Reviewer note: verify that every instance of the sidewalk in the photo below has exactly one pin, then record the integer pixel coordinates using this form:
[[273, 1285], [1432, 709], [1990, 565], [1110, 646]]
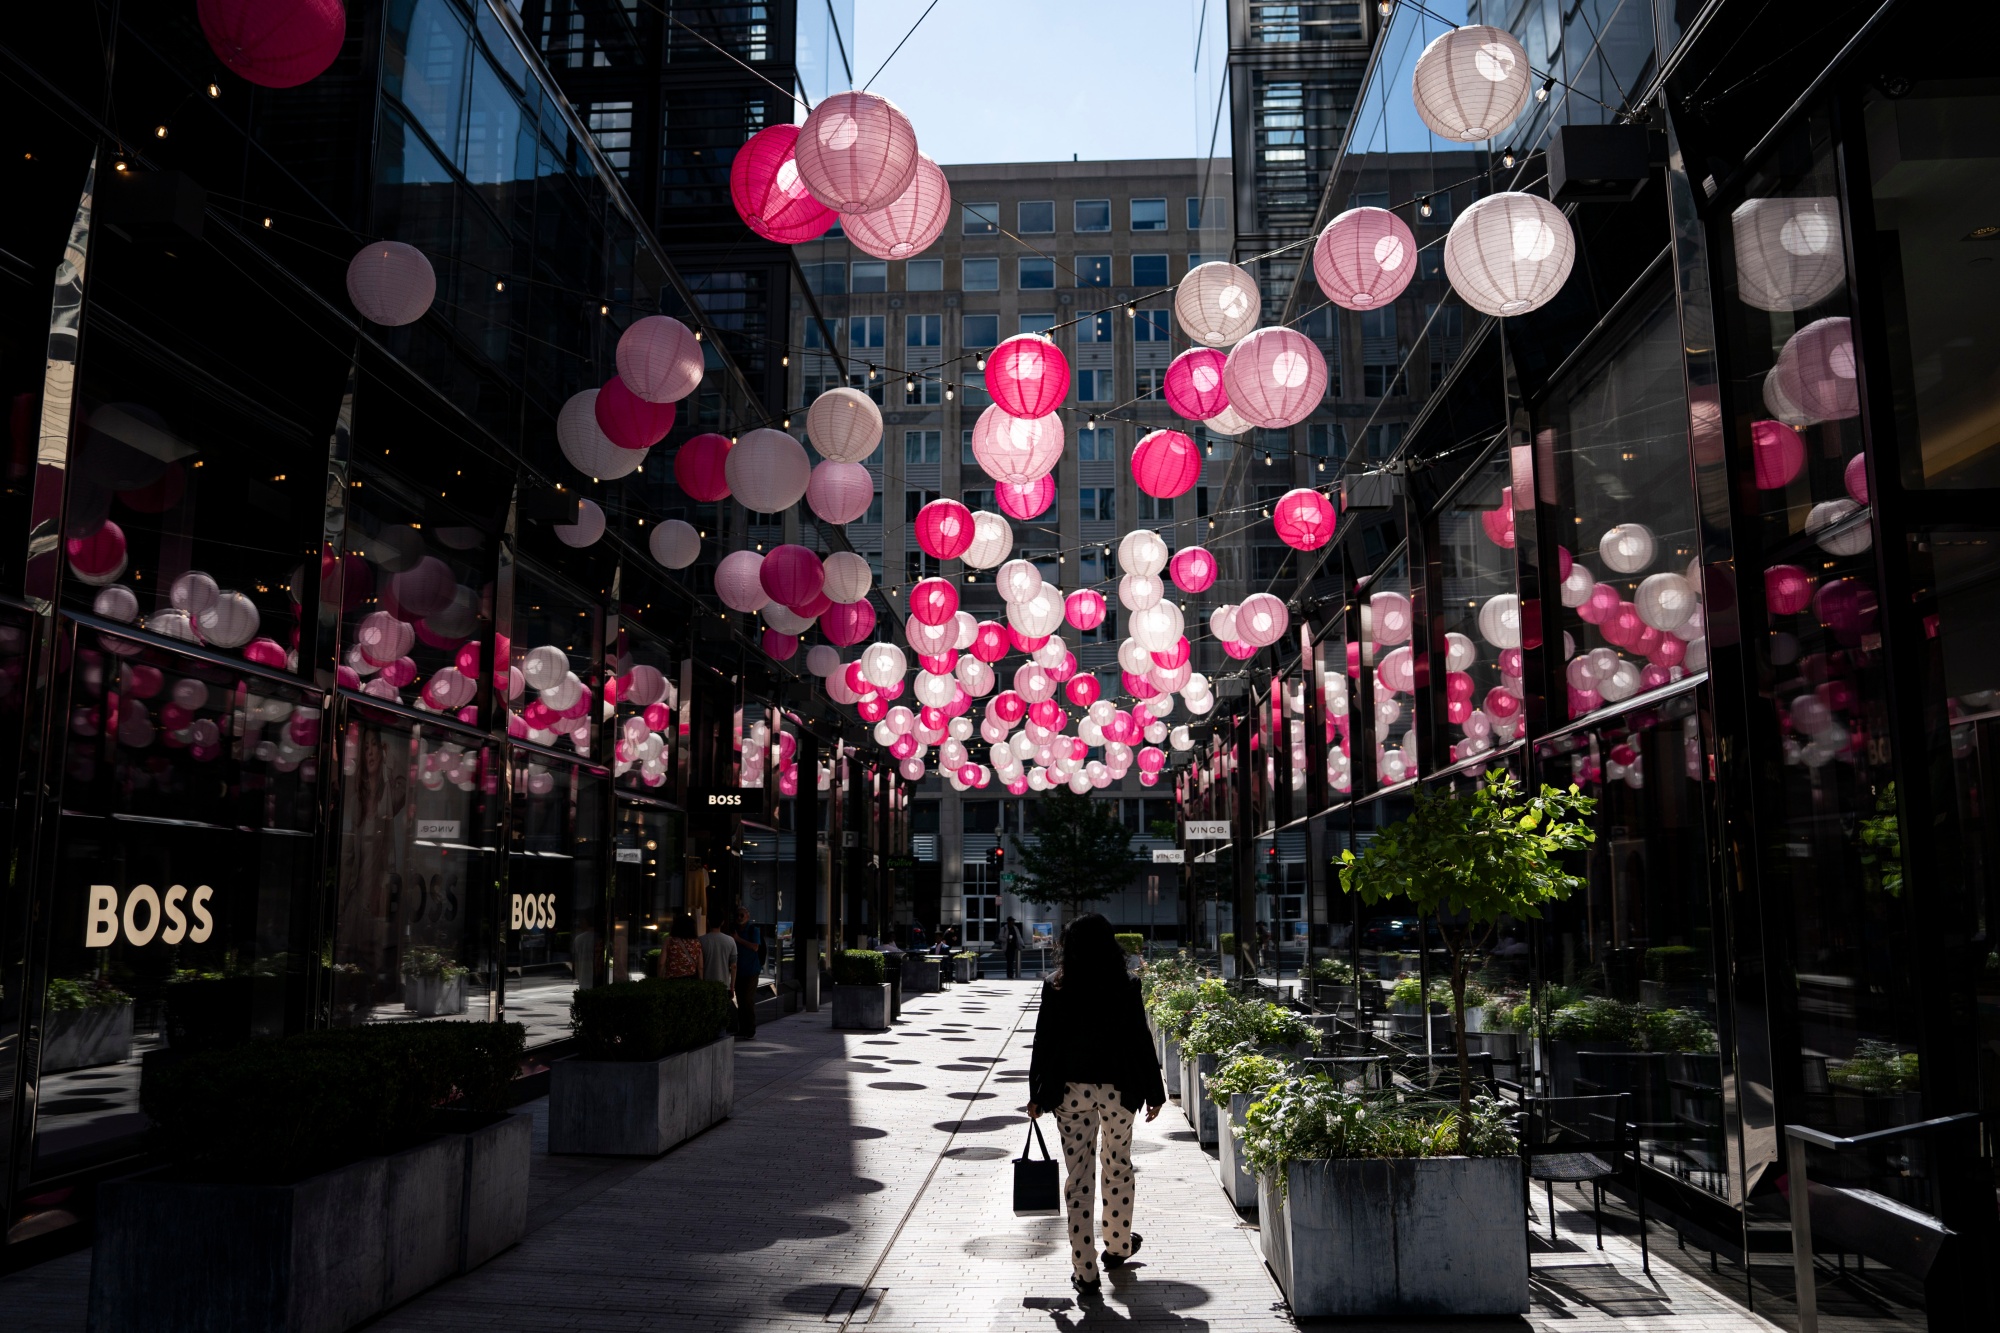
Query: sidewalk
[[864, 1181]]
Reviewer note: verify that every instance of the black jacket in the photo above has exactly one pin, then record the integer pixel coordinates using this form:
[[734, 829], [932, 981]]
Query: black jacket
[[1095, 1038]]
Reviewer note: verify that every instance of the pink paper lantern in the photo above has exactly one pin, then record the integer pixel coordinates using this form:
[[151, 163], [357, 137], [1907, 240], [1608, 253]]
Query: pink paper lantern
[[1027, 375], [1502, 704], [1166, 464], [1192, 569], [989, 641], [933, 601], [1788, 589], [1082, 690], [1023, 501], [274, 43], [99, 557], [1777, 452], [1175, 657], [1194, 385], [1365, 258], [1855, 478], [814, 608], [629, 421], [857, 152], [660, 359], [944, 529], [1137, 686], [1009, 707], [839, 492], [871, 709], [770, 197], [780, 647], [1304, 518], [1025, 643], [908, 226], [1275, 377], [791, 575], [938, 664], [1016, 449], [1084, 608], [1499, 525], [847, 623], [1816, 372], [699, 468], [1241, 652], [426, 588], [1261, 620], [1047, 713]]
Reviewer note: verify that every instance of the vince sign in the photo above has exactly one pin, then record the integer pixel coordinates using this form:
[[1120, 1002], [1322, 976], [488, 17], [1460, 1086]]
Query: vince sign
[[148, 915]]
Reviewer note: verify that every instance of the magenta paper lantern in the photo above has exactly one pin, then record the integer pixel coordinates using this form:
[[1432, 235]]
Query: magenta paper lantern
[[1022, 501], [839, 492], [1192, 569], [791, 575], [1027, 375], [847, 623], [100, 557], [739, 581], [1855, 478], [1304, 519], [629, 421], [770, 197], [1166, 464], [1084, 608], [1275, 377], [780, 647], [1082, 690], [660, 359], [1064, 669], [1046, 713], [908, 226], [1137, 686], [857, 152], [933, 601], [989, 641], [944, 529], [1175, 657], [1815, 371], [813, 609], [1009, 707], [1777, 452], [1499, 523], [1194, 386], [1365, 258], [274, 43], [1025, 643], [1016, 449], [1788, 588], [701, 468]]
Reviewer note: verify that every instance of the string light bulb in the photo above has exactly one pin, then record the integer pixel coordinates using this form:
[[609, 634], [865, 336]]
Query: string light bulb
[[1507, 158], [949, 393], [982, 363], [159, 131], [215, 90], [1542, 93]]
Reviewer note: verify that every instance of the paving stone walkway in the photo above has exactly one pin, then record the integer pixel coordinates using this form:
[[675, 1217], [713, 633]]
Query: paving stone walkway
[[864, 1182]]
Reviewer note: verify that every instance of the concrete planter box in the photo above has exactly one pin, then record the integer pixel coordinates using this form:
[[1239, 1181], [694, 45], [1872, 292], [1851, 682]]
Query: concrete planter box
[[863, 1008], [1200, 1111], [640, 1108], [920, 976], [1402, 1237], [82, 1038], [318, 1256], [1237, 1181], [1170, 1064], [431, 997], [964, 969]]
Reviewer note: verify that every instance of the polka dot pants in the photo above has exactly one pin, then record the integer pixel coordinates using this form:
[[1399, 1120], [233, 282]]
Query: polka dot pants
[[1087, 1109]]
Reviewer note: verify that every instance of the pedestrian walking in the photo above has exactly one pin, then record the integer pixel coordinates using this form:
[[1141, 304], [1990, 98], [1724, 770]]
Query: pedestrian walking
[[1094, 1067], [680, 952], [1010, 943]]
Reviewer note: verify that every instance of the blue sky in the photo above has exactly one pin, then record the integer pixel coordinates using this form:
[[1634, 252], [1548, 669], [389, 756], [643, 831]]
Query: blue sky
[[1039, 80]]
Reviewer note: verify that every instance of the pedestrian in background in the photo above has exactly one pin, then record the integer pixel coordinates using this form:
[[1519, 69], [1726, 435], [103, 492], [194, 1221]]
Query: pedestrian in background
[[1010, 945], [680, 952], [749, 972], [1094, 1066]]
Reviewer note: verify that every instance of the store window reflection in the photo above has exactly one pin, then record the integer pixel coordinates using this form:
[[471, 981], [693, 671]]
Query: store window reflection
[[554, 654], [649, 896], [1479, 613], [1331, 678], [555, 891], [1388, 626]]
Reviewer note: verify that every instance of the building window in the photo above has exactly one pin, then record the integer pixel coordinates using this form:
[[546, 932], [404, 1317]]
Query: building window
[[1151, 326], [1093, 270], [1270, 563], [868, 383], [1379, 324], [1035, 217], [979, 219], [1093, 215], [826, 279], [1035, 321], [870, 275], [922, 390], [1093, 386], [918, 564], [923, 330], [1095, 444], [974, 390], [1154, 510], [866, 331], [1149, 215], [1327, 440], [923, 275], [1149, 381], [1212, 212], [1149, 270], [982, 330], [814, 340], [1097, 504], [978, 499], [1037, 275], [922, 446], [611, 125], [982, 275], [1094, 328], [1384, 438], [1382, 379]]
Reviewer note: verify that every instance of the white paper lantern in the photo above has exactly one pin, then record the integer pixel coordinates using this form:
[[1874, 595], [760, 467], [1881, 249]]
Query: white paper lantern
[[1217, 303], [845, 425], [391, 283], [1622, 682], [1136, 592], [975, 675], [545, 667], [1222, 622], [1052, 653], [1500, 620], [1825, 516], [1181, 738], [1509, 253], [1665, 601], [1788, 252], [230, 621], [586, 446], [1460, 652], [1389, 618], [660, 359], [1576, 589], [1037, 615], [589, 526], [823, 660], [767, 470], [785, 620], [1228, 422], [1199, 707], [883, 664], [1471, 83], [1261, 620], [675, 544], [738, 582], [1142, 551], [117, 602], [1627, 548], [1017, 450], [934, 690], [992, 539], [848, 577], [1017, 581], [1158, 628], [1134, 656], [906, 227]]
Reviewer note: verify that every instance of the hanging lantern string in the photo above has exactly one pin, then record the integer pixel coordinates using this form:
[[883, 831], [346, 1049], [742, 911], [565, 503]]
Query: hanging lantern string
[[899, 46], [800, 98], [1548, 79]]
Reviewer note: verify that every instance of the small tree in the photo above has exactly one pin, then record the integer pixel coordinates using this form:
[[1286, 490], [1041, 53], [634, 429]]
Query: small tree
[[1082, 853], [1466, 859]]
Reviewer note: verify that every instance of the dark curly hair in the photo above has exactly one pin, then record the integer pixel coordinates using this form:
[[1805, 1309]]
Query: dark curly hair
[[1092, 958]]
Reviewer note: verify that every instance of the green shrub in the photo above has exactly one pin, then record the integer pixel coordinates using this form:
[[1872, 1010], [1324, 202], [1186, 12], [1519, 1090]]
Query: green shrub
[[1312, 1119], [1334, 971], [1595, 1018], [1876, 1066], [432, 964], [1175, 1010], [67, 996], [1218, 1026], [1226, 945], [1245, 1071], [967, 953], [860, 967], [1675, 1030], [1134, 944], [1672, 963], [278, 1110], [1179, 970], [646, 1020]]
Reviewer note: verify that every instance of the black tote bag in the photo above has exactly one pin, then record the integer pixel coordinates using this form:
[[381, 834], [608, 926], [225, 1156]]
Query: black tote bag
[[1037, 1184]]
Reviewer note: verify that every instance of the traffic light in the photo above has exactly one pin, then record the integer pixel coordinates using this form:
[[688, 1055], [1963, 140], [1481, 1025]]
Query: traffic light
[[996, 856]]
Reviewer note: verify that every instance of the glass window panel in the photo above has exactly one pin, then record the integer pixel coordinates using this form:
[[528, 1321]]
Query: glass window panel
[[425, 69], [923, 275], [1388, 625], [1149, 215], [982, 330], [1037, 274], [1093, 215], [981, 275], [555, 647], [871, 275], [979, 219], [555, 877], [1093, 270], [1037, 217], [649, 892], [1478, 610], [1149, 270]]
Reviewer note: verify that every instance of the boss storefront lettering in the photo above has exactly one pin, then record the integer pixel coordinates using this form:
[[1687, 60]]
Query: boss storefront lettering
[[533, 911], [148, 915], [725, 798]]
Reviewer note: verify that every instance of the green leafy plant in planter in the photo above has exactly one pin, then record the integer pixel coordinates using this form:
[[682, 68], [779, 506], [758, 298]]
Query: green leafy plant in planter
[[1334, 971], [1133, 944], [860, 967], [67, 995], [1599, 1018], [1225, 944], [1175, 1011], [648, 1020], [1312, 1118], [1407, 990], [1216, 1028], [1670, 963], [432, 964], [1179, 970], [1246, 1071], [1467, 859], [1876, 1066]]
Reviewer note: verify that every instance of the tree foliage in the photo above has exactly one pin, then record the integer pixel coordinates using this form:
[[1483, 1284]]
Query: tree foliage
[[1469, 859], [1082, 853]]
